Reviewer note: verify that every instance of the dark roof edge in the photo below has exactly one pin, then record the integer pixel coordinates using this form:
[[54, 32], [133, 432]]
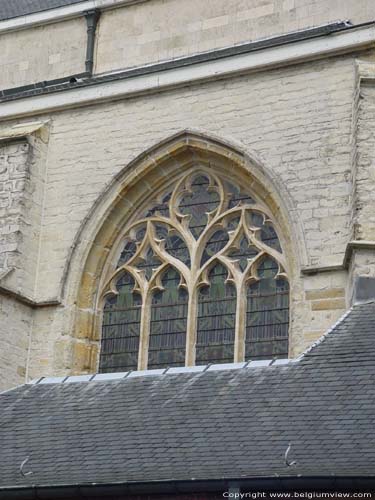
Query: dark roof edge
[[83, 80], [39, 10], [274, 483], [321, 339]]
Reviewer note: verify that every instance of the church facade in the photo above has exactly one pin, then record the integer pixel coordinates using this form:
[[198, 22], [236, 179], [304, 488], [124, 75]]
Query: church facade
[[289, 115], [182, 185]]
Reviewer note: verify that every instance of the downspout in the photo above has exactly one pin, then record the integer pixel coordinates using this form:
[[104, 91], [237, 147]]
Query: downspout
[[92, 18]]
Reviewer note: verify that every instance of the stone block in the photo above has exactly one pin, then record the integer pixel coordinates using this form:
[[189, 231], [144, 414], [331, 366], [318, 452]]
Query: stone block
[[328, 304]]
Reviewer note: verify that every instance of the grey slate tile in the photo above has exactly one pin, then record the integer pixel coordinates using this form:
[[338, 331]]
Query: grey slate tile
[[15, 8], [203, 425]]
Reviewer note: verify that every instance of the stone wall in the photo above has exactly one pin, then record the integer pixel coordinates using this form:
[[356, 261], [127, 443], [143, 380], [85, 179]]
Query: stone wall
[[303, 139], [16, 322], [365, 178], [22, 182], [13, 177], [42, 53], [298, 121], [159, 30]]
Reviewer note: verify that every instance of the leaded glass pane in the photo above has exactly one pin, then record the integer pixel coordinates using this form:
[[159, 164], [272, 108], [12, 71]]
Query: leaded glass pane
[[128, 251], [269, 237], [168, 323], [201, 200], [238, 197], [174, 244], [120, 333], [242, 253], [255, 219], [148, 263], [216, 319], [202, 220], [216, 243], [161, 209], [267, 314]]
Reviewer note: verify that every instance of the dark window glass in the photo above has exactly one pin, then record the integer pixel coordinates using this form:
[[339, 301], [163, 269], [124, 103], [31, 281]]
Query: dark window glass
[[120, 333], [238, 198], [201, 200], [168, 323], [216, 319], [269, 237], [267, 314], [216, 243], [242, 253], [173, 243], [159, 208], [206, 223], [148, 263]]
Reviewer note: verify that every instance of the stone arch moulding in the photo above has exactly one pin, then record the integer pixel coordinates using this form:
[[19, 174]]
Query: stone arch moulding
[[93, 253]]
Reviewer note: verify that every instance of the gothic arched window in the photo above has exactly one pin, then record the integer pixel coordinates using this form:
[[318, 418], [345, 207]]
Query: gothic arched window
[[201, 279]]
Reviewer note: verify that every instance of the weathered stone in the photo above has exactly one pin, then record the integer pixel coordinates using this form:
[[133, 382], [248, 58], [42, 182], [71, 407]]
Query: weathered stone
[[328, 304]]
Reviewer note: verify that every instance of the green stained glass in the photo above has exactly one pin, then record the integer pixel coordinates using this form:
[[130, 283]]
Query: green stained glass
[[174, 244], [232, 222], [243, 253], [196, 204], [216, 319], [148, 263], [127, 253], [197, 197], [161, 209], [216, 243], [255, 219], [120, 331], [267, 314], [269, 237], [237, 197], [168, 323]]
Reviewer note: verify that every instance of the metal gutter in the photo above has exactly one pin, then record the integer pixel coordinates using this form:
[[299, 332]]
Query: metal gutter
[[173, 487], [85, 79], [92, 18]]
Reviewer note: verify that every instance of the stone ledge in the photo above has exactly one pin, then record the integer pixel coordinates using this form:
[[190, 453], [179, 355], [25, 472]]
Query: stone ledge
[[28, 301]]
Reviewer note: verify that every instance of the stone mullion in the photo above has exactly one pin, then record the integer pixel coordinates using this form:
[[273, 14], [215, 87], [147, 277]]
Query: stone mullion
[[240, 329], [144, 334], [191, 330], [192, 316]]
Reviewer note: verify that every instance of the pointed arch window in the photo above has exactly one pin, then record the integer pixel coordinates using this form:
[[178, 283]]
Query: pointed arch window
[[201, 279]]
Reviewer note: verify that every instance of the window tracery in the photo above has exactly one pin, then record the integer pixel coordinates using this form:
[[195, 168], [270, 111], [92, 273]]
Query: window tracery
[[200, 279]]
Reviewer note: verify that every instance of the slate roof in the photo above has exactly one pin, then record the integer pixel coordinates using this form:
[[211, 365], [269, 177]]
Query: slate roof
[[230, 423], [15, 8]]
